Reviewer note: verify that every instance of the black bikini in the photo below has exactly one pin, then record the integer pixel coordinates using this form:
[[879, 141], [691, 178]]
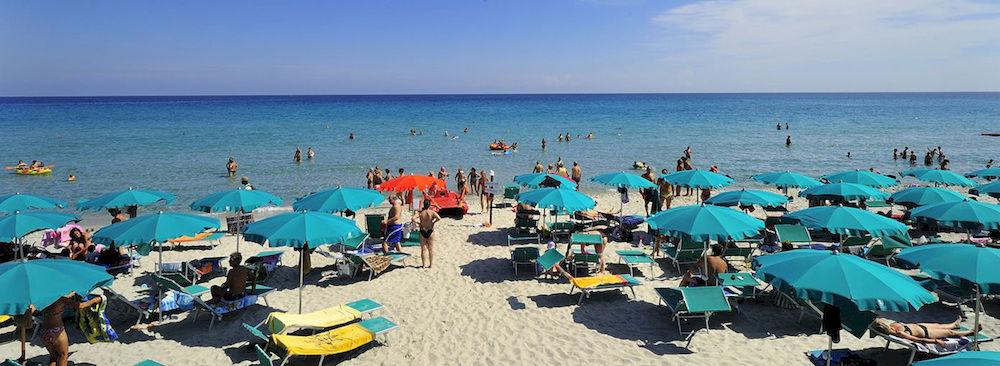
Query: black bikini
[[426, 233]]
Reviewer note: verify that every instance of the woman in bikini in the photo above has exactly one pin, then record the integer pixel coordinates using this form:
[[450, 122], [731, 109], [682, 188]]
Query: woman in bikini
[[426, 219], [53, 331], [79, 244], [922, 332]]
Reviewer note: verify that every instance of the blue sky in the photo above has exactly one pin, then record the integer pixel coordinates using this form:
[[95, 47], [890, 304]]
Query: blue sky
[[84, 47]]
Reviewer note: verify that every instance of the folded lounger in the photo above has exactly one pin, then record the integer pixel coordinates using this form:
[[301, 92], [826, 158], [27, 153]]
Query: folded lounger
[[635, 258], [952, 345], [335, 341], [692, 303]]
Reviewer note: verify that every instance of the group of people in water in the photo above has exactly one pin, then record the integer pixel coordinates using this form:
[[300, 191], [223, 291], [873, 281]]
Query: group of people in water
[[565, 138], [929, 157]]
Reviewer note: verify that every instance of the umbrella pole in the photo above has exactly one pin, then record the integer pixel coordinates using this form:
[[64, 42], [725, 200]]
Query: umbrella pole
[[302, 274], [975, 324], [829, 352], [159, 268]]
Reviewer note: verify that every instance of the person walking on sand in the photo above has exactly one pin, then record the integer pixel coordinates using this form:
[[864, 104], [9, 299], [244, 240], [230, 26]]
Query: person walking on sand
[[666, 190], [576, 174], [310, 153], [425, 220], [298, 155], [473, 181], [231, 167], [459, 180]]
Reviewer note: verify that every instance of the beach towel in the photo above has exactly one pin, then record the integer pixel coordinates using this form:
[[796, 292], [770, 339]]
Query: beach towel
[[95, 325], [335, 341], [277, 322], [594, 281], [379, 262]]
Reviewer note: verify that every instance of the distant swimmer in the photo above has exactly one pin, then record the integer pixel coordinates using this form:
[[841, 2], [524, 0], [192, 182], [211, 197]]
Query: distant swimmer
[[513, 147], [895, 154], [786, 126], [560, 139], [446, 134], [778, 126], [71, 178], [466, 130], [788, 141], [298, 155], [351, 136], [913, 158], [638, 165], [849, 155], [231, 167], [310, 153], [590, 136], [567, 136], [544, 144], [413, 131], [538, 167]]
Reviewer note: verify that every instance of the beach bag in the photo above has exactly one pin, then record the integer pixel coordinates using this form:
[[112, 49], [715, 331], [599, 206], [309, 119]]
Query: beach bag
[[94, 325]]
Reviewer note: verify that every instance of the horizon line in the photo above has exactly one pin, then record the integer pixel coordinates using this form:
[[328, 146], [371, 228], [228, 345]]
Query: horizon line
[[488, 94]]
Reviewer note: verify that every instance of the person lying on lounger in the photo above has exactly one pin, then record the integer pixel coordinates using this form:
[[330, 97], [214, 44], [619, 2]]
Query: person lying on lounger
[[922, 332]]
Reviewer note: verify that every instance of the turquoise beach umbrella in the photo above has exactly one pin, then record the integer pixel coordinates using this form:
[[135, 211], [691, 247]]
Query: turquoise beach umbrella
[[22, 202], [703, 223], [938, 176], [338, 200], [968, 358], [841, 280], [303, 230], [991, 189], [958, 264], [19, 224], [985, 173], [560, 199], [143, 230], [126, 198], [700, 179], [848, 221], [542, 180], [40, 282], [235, 200], [747, 197], [844, 191], [920, 196], [969, 214], [862, 177], [786, 179], [623, 180]]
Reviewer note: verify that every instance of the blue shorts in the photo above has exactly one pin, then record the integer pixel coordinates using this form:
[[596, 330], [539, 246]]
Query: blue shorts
[[394, 234]]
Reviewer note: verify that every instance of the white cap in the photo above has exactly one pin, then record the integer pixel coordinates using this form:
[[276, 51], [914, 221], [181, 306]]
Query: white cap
[[491, 172]]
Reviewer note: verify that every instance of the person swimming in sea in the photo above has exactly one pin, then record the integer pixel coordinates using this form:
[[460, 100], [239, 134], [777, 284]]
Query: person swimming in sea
[[560, 139], [543, 144], [590, 136], [567, 136], [298, 155], [895, 154], [466, 130], [351, 136], [849, 155], [779, 126], [786, 126], [310, 153], [788, 141], [71, 178]]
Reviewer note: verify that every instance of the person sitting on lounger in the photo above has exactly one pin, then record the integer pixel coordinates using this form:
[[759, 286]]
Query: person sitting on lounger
[[236, 280], [922, 332], [716, 265]]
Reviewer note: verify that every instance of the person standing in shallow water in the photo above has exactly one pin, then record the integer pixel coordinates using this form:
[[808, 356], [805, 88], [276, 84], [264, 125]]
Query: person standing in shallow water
[[298, 155], [310, 153], [788, 141], [231, 167]]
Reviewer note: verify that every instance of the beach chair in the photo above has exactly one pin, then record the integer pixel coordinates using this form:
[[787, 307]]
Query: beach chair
[[373, 226], [264, 263], [739, 285], [282, 322], [548, 261], [510, 192], [741, 251], [513, 239], [143, 307], [263, 357], [525, 226], [335, 341], [634, 258], [217, 309], [412, 240], [684, 252], [586, 260], [693, 303], [855, 244], [951, 346], [886, 247], [560, 229], [361, 262], [524, 256], [794, 234]]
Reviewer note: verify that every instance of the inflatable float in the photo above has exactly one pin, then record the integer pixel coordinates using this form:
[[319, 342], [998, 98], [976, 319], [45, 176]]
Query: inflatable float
[[40, 171], [499, 146], [447, 203]]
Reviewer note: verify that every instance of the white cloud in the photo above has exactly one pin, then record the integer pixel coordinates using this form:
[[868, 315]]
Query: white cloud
[[852, 45]]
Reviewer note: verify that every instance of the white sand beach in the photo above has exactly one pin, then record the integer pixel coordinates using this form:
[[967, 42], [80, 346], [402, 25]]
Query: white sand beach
[[470, 309]]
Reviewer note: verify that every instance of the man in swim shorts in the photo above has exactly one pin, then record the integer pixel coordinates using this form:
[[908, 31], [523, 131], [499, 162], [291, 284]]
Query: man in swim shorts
[[426, 219], [393, 228]]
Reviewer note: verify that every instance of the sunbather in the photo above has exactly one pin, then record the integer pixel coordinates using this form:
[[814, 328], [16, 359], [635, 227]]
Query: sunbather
[[922, 332], [236, 280], [716, 265]]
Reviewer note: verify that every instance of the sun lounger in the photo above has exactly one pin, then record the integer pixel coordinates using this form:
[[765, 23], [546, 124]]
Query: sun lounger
[[264, 263], [335, 341], [634, 258], [144, 309], [373, 226], [588, 260], [951, 346], [795, 234], [212, 238], [804, 306], [558, 229], [549, 260], [513, 239], [591, 284], [282, 322], [524, 256], [693, 303], [217, 308], [741, 285], [524, 226], [683, 253], [412, 240], [361, 262], [510, 192]]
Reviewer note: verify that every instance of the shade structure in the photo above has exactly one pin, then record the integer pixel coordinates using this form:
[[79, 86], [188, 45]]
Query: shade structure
[[942, 177], [990, 189], [303, 230], [623, 180], [968, 358], [958, 264], [786, 179], [705, 223], [22, 202], [126, 198], [154, 228], [920, 196], [862, 177], [844, 191], [339, 199], [848, 221], [544, 180], [40, 282], [967, 214], [984, 173], [19, 224], [410, 182], [700, 179], [560, 199], [842, 280], [235, 200], [747, 197]]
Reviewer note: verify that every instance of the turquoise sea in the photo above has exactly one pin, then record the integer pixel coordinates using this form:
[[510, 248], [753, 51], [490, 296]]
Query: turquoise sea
[[181, 144]]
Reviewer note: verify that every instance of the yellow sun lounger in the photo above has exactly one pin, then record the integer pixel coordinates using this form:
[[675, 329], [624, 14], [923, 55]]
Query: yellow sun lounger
[[588, 285], [336, 341], [280, 323]]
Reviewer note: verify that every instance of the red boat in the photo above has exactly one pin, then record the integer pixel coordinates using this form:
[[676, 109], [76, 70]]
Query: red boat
[[447, 203]]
